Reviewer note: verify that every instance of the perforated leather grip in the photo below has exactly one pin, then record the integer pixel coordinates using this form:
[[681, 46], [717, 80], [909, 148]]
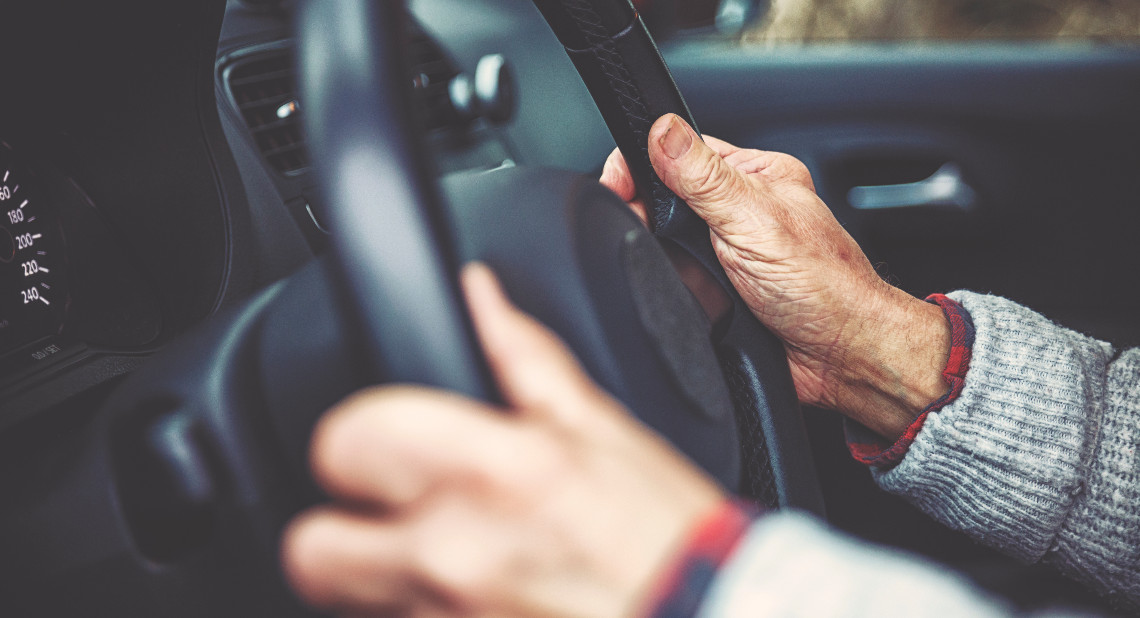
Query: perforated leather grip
[[631, 85]]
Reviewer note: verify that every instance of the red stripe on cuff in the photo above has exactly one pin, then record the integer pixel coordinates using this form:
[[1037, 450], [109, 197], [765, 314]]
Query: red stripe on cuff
[[868, 448], [681, 589]]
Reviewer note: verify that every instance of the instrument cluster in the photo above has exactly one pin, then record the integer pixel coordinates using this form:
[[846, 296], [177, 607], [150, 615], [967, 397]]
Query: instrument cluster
[[33, 265], [67, 287]]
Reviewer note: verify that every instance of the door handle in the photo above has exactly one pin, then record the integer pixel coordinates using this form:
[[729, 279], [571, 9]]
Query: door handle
[[945, 189]]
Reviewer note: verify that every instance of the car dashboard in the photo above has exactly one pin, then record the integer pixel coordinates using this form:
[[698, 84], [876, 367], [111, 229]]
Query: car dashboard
[[154, 168]]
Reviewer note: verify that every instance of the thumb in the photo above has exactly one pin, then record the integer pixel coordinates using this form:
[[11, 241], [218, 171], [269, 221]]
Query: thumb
[[535, 371], [713, 188]]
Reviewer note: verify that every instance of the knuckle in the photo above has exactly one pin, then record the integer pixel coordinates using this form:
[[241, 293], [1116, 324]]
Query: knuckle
[[708, 180], [609, 172], [454, 572], [345, 435], [790, 162], [499, 475], [797, 170], [302, 550], [546, 462], [331, 450], [719, 193], [614, 161]]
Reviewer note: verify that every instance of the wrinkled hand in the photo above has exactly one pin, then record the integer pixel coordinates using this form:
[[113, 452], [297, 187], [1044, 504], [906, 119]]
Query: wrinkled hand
[[854, 343], [560, 505]]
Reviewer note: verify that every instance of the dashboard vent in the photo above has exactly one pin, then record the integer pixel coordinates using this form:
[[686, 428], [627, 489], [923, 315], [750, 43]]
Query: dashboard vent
[[431, 75], [262, 87]]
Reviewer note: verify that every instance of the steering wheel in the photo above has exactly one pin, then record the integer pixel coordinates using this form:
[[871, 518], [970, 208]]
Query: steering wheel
[[189, 470], [566, 252]]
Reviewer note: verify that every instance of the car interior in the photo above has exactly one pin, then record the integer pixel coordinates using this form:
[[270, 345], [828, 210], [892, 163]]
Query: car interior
[[222, 217]]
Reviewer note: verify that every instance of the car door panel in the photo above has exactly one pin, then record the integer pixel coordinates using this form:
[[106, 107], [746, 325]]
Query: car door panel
[[1046, 138]]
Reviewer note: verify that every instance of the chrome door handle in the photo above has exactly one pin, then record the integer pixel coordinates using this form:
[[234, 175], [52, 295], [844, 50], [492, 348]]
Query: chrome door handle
[[945, 188]]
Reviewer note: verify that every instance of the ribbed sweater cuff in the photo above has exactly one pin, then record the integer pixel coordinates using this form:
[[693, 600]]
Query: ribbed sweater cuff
[[1099, 542], [1005, 461]]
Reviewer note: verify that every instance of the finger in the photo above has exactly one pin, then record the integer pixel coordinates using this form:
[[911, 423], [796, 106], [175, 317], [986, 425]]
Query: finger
[[720, 146], [772, 166], [717, 191], [395, 446], [617, 178], [535, 371], [338, 560], [751, 161], [640, 210]]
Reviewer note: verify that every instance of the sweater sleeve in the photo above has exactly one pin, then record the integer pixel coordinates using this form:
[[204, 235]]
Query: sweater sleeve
[[790, 565], [1038, 456]]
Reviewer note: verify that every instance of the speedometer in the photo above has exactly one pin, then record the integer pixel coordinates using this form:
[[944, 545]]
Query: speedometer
[[33, 291]]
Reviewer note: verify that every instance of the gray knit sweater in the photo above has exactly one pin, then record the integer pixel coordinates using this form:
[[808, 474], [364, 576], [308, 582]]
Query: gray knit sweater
[[1038, 457]]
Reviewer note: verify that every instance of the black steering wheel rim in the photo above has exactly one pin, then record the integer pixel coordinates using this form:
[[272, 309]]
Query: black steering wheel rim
[[384, 206], [393, 240]]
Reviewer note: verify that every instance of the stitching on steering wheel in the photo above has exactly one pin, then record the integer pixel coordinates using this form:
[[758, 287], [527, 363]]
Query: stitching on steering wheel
[[628, 94]]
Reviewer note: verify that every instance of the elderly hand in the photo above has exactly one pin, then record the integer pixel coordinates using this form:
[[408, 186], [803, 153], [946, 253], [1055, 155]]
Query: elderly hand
[[559, 505], [854, 343]]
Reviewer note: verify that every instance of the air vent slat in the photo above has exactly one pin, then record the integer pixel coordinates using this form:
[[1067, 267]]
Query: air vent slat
[[271, 126], [238, 82], [271, 102], [284, 150], [261, 85]]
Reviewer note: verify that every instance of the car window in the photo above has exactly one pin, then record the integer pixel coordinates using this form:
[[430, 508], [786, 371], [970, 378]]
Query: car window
[[947, 20]]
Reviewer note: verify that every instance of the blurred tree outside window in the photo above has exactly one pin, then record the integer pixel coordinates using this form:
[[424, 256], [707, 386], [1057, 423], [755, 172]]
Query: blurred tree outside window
[[949, 20]]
